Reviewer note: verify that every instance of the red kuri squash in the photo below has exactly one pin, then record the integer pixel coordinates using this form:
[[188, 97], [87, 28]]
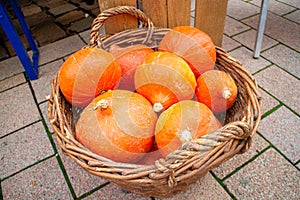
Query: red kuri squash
[[164, 79], [118, 125], [129, 59], [193, 45], [182, 122], [86, 73]]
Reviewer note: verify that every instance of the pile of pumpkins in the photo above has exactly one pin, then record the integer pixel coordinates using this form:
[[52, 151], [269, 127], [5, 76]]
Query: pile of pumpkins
[[141, 104]]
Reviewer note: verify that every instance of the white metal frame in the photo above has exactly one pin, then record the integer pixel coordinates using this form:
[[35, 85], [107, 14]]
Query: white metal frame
[[261, 27]]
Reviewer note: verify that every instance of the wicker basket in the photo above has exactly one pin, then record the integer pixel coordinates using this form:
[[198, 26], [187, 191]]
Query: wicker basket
[[185, 165]]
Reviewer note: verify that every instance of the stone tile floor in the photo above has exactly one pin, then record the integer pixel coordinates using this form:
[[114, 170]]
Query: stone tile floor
[[32, 166]]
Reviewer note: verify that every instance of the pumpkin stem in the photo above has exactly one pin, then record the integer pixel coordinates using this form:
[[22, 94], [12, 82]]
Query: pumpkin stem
[[226, 94], [157, 107], [186, 135], [103, 104]]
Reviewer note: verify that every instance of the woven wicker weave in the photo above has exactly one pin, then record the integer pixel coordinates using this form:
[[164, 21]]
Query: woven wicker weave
[[185, 165]]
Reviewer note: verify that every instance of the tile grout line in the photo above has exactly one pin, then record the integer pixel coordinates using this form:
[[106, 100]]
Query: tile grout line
[[1, 195], [93, 190], [49, 135], [255, 29], [65, 174], [294, 112], [286, 4], [23, 127], [269, 112], [245, 164], [295, 9], [277, 150], [241, 32], [262, 69], [12, 87], [223, 185], [27, 167], [284, 15]]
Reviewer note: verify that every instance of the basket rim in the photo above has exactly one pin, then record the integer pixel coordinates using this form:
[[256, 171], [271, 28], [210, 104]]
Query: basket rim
[[193, 159]]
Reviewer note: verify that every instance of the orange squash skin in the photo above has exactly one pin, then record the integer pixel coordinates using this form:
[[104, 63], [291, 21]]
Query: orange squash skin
[[122, 131], [129, 59], [182, 122], [217, 90], [86, 73], [193, 45], [164, 78]]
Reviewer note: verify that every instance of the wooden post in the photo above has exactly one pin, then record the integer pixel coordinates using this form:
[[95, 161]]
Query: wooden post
[[210, 18], [167, 13], [156, 10], [179, 14], [209, 15], [121, 22]]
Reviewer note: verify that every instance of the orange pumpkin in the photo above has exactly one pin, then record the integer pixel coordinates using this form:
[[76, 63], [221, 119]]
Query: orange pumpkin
[[164, 79], [193, 45], [129, 59], [182, 122], [86, 73], [150, 157], [217, 90], [118, 125]]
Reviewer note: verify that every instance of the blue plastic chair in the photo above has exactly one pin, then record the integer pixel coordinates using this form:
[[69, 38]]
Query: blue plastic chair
[[30, 65]]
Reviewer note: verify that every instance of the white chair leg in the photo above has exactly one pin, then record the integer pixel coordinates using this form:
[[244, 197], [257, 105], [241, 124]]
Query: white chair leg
[[261, 27]]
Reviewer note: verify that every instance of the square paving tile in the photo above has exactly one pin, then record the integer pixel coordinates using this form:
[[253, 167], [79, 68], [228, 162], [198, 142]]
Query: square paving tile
[[81, 25], [85, 35], [234, 9], [233, 26], [84, 5], [285, 58], [111, 191], [294, 3], [268, 102], [30, 10], [275, 6], [269, 176], [47, 32], [23, 148], [62, 9], [12, 82], [282, 85], [229, 44], [282, 129], [205, 188], [82, 181], [50, 3], [42, 86], [44, 110], [277, 27], [60, 49], [11, 49], [42, 181], [69, 17], [18, 109], [258, 144], [38, 18], [294, 16], [10, 67], [248, 39], [3, 52], [245, 56]]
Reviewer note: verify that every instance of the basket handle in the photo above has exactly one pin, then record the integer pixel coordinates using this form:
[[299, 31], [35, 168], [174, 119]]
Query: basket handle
[[96, 38]]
